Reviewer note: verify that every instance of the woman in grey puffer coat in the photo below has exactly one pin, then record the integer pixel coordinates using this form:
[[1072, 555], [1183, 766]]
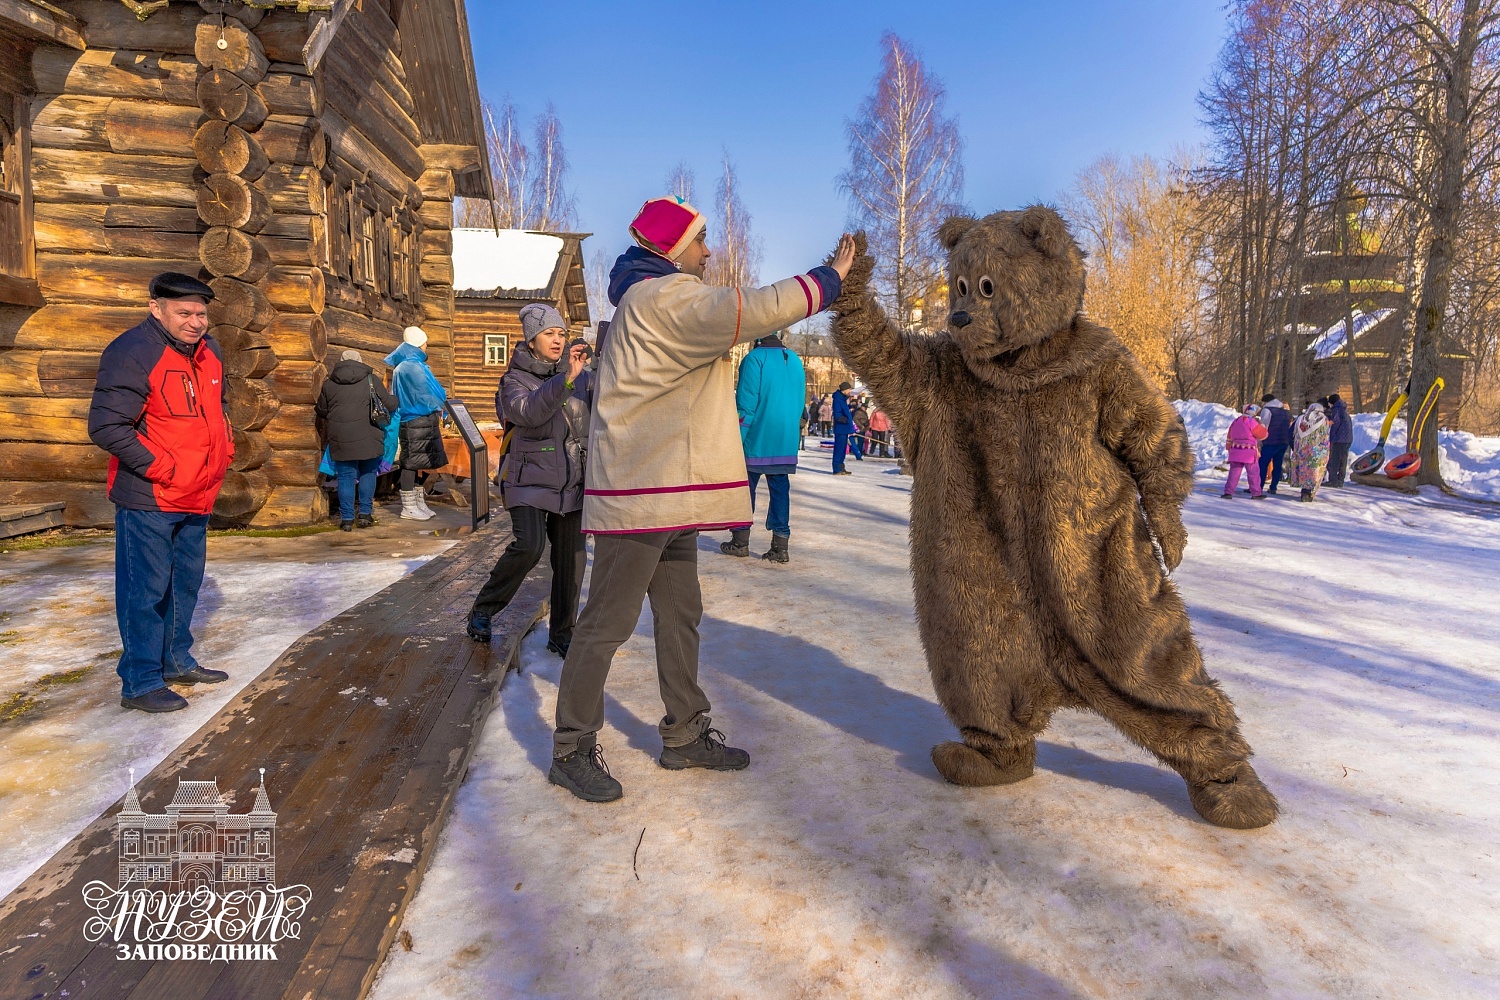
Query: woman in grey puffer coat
[[544, 397]]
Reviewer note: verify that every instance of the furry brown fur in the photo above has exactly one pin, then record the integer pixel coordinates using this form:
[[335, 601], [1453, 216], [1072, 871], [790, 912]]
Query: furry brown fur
[[1045, 464]]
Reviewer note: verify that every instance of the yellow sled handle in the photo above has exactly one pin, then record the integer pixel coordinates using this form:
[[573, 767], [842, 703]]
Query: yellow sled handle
[[1390, 417], [1429, 402]]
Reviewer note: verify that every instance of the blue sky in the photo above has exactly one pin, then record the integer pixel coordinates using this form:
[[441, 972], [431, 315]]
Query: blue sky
[[1040, 89]]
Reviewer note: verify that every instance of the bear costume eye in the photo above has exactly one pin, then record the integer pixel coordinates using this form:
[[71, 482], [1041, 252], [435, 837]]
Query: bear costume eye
[[986, 286], [963, 287]]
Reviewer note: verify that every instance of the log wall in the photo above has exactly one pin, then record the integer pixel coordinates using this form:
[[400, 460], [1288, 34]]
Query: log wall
[[199, 142]]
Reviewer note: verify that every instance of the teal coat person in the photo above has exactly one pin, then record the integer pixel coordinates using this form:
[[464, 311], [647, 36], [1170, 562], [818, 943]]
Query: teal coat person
[[769, 398]]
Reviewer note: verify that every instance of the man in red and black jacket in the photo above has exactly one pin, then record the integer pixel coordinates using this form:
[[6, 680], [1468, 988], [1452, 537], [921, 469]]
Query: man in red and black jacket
[[160, 410]]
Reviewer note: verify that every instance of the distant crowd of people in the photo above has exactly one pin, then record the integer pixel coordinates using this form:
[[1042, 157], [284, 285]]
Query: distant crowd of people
[[855, 423], [1266, 443]]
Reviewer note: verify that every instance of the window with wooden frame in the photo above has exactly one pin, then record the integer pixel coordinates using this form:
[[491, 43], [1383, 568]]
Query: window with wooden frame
[[368, 273], [17, 240], [352, 271], [397, 259], [496, 350]]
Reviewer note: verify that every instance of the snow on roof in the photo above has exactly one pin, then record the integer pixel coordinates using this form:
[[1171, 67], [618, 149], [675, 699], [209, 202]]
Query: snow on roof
[[511, 260], [1331, 340]]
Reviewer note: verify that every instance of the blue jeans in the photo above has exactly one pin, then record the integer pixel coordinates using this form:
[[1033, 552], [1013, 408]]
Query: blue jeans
[[1272, 457], [840, 447], [857, 445], [779, 513], [159, 560], [364, 471]]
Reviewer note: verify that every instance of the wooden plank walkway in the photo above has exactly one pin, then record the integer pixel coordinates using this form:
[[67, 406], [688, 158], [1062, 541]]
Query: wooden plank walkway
[[23, 519], [365, 727]]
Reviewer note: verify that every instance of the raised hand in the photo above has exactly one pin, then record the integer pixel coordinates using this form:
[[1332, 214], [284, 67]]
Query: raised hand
[[577, 358], [843, 257]]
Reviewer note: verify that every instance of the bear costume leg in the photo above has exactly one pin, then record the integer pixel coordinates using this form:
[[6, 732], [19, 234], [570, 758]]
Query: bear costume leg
[[1190, 725], [998, 712]]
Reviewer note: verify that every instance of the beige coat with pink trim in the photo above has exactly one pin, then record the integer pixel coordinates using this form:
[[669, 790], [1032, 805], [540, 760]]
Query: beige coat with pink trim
[[664, 446]]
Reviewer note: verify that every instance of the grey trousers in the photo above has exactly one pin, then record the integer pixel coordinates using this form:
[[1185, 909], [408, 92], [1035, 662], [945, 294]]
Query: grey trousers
[[662, 565]]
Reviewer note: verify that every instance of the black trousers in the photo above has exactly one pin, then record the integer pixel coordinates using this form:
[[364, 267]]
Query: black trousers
[[534, 529], [1338, 461]]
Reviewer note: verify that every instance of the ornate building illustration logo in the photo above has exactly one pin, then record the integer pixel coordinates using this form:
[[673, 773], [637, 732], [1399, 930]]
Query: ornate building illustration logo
[[196, 881], [197, 843]]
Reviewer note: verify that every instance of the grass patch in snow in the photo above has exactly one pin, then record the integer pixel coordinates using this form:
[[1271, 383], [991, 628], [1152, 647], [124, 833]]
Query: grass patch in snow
[[294, 532], [56, 538], [22, 703]]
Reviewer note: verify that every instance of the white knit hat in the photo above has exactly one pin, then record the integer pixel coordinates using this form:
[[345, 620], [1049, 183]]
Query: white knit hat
[[415, 337]]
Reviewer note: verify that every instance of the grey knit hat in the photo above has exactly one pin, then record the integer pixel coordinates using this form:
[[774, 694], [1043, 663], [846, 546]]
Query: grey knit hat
[[350, 354], [538, 316]]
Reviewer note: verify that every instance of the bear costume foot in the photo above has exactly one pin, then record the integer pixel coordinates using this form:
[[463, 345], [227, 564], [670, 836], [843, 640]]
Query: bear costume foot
[[1236, 799], [962, 764]]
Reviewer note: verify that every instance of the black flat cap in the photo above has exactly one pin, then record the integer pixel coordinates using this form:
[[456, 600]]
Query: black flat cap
[[171, 285]]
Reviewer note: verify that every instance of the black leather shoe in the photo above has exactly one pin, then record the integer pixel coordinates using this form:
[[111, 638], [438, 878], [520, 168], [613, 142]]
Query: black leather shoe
[[365, 521], [160, 700], [708, 750], [479, 627], [346, 525], [199, 675], [560, 646]]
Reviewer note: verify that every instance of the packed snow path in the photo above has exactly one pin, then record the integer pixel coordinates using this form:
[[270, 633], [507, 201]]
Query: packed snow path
[[1358, 637]]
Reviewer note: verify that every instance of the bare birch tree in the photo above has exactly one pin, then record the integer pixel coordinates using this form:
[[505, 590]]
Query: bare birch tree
[[596, 281], [551, 207], [737, 253], [510, 163], [680, 183], [905, 175]]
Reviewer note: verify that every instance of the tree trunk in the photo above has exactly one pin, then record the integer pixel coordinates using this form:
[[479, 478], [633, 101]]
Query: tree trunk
[[1444, 216]]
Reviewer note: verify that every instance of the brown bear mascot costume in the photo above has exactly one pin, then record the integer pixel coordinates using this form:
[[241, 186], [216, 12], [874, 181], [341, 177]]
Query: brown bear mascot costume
[[1045, 462]]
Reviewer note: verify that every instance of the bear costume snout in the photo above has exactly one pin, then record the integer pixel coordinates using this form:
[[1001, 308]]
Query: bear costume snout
[[960, 319]]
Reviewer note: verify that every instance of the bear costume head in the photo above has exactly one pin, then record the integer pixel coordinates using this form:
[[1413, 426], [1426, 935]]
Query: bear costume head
[[1014, 279]]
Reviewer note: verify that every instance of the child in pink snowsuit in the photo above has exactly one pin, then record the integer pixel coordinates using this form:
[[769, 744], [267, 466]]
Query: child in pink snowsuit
[[1245, 436]]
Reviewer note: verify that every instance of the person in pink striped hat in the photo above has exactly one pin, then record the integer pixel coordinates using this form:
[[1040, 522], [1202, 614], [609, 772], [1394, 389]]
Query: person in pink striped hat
[[665, 462]]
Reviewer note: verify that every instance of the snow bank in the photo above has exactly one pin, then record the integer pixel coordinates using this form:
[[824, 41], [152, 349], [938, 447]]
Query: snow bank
[[1470, 464]]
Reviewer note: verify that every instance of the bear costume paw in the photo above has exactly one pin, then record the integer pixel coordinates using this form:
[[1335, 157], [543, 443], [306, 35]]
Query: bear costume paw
[[963, 765], [1237, 799]]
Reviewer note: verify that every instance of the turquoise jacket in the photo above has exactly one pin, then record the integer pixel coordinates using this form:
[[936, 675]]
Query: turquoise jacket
[[769, 399]]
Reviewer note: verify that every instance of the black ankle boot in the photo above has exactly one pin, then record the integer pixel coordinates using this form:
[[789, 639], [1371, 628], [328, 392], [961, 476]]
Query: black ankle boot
[[584, 773], [479, 627], [738, 544], [778, 553], [708, 750]]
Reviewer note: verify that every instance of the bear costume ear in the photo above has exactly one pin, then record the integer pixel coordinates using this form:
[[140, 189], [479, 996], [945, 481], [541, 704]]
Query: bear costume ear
[[953, 228], [1046, 230]]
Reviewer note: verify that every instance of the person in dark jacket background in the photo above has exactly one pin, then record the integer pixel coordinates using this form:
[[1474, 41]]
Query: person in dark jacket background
[[421, 419], [544, 396], [1340, 439], [843, 426], [355, 442], [160, 410], [1278, 421]]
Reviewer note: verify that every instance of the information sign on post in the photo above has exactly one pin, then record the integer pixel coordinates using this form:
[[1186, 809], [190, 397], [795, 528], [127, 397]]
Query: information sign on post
[[479, 462]]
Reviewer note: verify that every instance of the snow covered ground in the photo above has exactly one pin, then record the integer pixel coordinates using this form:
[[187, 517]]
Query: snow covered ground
[[64, 759], [1470, 464], [1357, 636]]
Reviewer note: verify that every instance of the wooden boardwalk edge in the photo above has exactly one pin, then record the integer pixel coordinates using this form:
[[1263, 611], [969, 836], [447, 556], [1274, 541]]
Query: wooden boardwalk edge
[[362, 780]]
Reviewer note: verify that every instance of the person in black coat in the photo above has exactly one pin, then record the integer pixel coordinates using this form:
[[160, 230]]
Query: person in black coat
[[355, 441], [1340, 438]]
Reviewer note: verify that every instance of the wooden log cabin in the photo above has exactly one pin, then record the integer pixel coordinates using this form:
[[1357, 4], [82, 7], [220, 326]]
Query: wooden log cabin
[[302, 157], [495, 274]]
